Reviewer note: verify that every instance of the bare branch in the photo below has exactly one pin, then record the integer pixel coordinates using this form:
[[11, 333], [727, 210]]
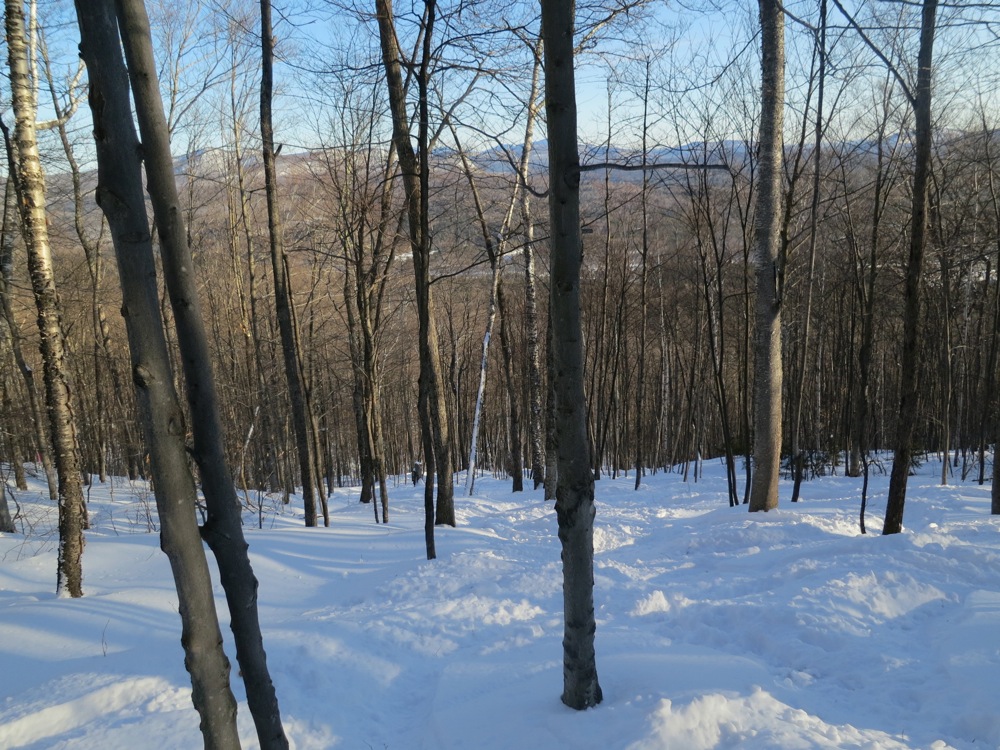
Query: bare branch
[[878, 53]]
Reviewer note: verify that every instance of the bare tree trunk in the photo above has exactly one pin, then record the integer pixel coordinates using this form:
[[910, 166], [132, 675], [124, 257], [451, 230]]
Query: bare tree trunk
[[947, 385], [767, 333], [223, 529], [551, 456], [908, 386], [120, 196], [58, 399], [798, 455], [415, 177], [514, 463], [355, 346], [6, 522], [495, 252], [491, 314], [102, 347], [643, 285], [862, 408], [282, 284], [990, 400], [575, 488], [6, 263], [536, 435]]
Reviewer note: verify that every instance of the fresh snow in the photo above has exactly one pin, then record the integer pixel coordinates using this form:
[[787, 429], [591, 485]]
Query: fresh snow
[[715, 628]]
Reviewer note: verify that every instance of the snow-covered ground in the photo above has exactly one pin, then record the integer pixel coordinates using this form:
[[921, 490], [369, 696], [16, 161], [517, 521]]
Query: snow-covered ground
[[716, 628]]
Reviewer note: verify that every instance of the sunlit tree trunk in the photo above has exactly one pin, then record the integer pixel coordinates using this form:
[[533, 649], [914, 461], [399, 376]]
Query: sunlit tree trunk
[[222, 530], [7, 230], [58, 398], [120, 195], [767, 311], [536, 435]]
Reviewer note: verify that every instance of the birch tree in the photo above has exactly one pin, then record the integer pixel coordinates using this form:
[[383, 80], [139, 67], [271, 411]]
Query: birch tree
[[30, 183]]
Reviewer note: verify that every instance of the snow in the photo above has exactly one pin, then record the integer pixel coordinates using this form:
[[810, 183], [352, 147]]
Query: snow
[[716, 628]]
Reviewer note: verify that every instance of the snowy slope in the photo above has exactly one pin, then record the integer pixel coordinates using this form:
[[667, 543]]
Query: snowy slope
[[716, 629]]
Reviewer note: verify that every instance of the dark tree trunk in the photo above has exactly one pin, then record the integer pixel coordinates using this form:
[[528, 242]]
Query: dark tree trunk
[[908, 386], [515, 463], [575, 487], [551, 457], [223, 529], [6, 522], [120, 195], [415, 178], [301, 418]]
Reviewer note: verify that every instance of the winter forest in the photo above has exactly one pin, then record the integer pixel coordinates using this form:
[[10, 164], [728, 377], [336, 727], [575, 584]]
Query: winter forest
[[296, 260]]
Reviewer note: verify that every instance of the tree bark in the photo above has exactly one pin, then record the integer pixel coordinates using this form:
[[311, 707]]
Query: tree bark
[[767, 310], [551, 457], [908, 385], [514, 463], [575, 484], [27, 376], [120, 195], [282, 285], [58, 394], [6, 522], [223, 530], [415, 174], [536, 435]]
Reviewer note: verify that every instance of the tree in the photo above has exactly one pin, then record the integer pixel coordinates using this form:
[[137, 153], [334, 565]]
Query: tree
[[798, 379], [96, 457], [30, 184], [920, 100], [302, 418], [6, 522], [361, 178], [120, 196], [222, 530], [415, 174], [575, 483], [769, 273], [7, 230]]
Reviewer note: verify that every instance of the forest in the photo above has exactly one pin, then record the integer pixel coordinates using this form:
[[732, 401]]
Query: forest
[[371, 241]]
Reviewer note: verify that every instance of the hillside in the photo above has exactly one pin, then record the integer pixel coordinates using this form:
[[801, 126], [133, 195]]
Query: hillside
[[716, 629]]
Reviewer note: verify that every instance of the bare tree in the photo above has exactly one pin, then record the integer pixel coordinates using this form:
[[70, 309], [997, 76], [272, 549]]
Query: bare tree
[[415, 174], [290, 345], [30, 183], [223, 530], [767, 317], [120, 195], [575, 483], [920, 99]]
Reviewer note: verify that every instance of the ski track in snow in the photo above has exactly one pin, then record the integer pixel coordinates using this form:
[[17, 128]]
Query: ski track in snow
[[715, 628]]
